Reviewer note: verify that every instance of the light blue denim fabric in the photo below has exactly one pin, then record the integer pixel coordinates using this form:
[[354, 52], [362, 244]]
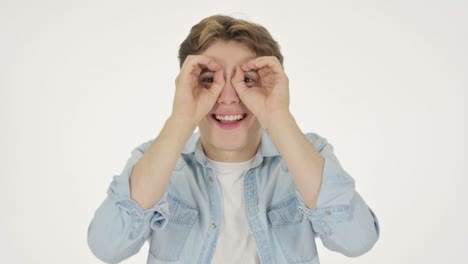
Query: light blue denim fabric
[[183, 227]]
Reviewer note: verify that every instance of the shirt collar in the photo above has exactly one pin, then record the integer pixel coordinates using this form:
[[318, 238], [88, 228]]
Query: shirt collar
[[267, 148]]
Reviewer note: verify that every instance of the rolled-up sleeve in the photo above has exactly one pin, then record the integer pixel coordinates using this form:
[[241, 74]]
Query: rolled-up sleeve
[[342, 219], [120, 226]]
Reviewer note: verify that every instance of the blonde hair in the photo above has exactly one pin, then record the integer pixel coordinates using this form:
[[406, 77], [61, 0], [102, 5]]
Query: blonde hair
[[226, 28]]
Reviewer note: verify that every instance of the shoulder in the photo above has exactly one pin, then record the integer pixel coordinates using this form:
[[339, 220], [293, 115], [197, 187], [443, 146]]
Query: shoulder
[[143, 147], [318, 141]]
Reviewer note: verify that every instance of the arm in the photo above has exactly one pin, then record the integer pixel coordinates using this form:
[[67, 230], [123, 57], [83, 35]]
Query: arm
[[342, 219], [192, 102], [304, 162], [327, 194], [151, 174], [136, 199], [268, 99], [120, 226]]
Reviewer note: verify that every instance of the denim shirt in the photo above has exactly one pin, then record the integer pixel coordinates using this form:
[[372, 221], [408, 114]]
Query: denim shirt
[[183, 227]]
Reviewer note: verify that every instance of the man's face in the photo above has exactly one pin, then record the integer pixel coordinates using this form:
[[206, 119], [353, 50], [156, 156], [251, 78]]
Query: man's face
[[229, 132]]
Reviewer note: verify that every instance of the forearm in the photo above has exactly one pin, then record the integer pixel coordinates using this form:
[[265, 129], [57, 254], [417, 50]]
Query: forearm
[[151, 174], [304, 162], [114, 234]]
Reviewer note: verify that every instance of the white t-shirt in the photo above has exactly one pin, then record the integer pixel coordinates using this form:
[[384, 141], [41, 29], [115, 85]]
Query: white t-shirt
[[235, 243]]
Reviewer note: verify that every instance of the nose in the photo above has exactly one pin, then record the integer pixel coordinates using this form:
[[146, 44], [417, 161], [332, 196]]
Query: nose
[[228, 95]]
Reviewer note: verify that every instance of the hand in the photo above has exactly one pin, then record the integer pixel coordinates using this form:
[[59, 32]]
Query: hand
[[263, 87], [195, 95]]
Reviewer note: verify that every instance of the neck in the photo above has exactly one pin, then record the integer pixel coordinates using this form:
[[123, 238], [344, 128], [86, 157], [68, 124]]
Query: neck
[[226, 155]]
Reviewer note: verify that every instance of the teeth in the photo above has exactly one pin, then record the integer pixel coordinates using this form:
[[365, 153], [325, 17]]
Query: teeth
[[229, 117]]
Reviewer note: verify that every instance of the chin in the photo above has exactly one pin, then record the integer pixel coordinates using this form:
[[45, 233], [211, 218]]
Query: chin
[[226, 144], [240, 142]]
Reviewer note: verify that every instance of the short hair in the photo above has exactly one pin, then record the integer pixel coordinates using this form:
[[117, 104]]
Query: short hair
[[220, 27]]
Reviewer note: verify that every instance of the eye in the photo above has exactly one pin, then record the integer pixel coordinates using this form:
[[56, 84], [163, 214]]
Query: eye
[[249, 81], [207, 80]]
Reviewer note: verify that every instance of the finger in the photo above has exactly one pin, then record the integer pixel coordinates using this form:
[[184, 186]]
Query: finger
[[238, 82], [211, 64], [218, 82], [263, 62], [196, 63]]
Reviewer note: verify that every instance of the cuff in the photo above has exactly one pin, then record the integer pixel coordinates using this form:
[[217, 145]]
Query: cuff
[[322, 217], [156, 217]]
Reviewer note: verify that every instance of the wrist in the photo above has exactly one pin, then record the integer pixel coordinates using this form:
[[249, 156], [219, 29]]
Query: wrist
[[275, 119], [181, 125], [281, 125]]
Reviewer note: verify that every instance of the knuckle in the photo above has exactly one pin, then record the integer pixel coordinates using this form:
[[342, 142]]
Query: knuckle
[[190, 59], [196, 59]]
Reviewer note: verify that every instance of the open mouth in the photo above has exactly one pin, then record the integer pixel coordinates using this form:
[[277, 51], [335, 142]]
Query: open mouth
[[229, 119]]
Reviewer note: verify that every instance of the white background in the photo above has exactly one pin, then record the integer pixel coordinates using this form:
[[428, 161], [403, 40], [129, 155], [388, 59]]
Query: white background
[[84, 82]]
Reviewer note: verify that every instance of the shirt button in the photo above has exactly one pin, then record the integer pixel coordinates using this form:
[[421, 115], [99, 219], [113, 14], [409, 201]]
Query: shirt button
[[213, 225], [327, 212], [210, 179]]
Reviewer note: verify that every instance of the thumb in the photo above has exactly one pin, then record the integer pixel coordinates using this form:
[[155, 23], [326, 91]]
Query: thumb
[[238, 83], [218, 83]]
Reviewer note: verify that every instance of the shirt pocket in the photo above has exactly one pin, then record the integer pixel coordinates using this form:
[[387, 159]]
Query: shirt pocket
[[292, 230], [168, 243]]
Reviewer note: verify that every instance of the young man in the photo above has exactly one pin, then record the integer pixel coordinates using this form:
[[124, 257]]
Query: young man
[[250, 187]]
